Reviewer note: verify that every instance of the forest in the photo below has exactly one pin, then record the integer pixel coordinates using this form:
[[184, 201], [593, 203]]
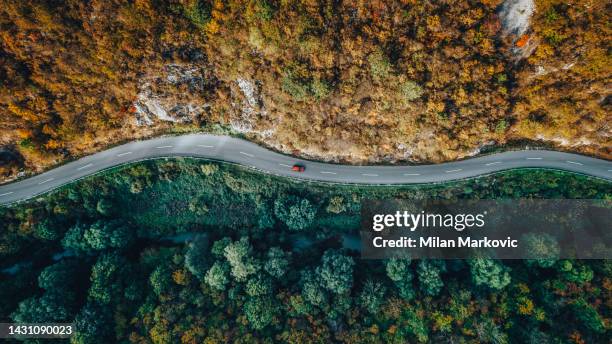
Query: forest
[[357, 82], [191, 251]]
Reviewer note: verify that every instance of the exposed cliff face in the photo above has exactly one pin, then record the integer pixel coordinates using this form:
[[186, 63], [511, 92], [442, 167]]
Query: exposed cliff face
[[516, 15], [176, 95], [249, 108]]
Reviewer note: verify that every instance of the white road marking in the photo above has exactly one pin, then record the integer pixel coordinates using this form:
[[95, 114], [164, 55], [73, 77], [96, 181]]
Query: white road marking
[[327, 172], [160, 147], [573, 162], [126, 153], [284, 165], [247, 154], [451, 171], [534, 158], [369, 174], [412, 174], [609, 170], [493, 163], [206, 146], [6, 193], [83, 167], [45, 181]]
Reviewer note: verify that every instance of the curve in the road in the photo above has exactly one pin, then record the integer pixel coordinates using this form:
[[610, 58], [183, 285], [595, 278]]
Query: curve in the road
[[229, 149]]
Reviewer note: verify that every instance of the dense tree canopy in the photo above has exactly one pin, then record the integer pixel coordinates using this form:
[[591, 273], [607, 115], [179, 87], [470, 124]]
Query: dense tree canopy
[[218, 276]]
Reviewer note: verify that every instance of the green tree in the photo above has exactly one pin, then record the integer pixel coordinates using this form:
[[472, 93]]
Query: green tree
[[372, 296], [93, 324], [490, 273], [238, 255], [107, 278], [398, 270], [336, 272], [380, 67], [265, 217], [312, 290], [296, 213], [295, 86], [415, 326], [340, 306], [217, 276], [429, 276], [103, 235], [73, 239], [299, 306], [197, 257], [218, 247], [50, 307], [197, 11], [48, 229], [574, 271], [260, 311], [59, 276], [410, 91], [320, 89], [259, 286], [161, 279], [588, 316], [277, 263], [544, 247], [489, 332]]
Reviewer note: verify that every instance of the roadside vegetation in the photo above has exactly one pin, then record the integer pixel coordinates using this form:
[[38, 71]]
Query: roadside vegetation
[[189, 251]]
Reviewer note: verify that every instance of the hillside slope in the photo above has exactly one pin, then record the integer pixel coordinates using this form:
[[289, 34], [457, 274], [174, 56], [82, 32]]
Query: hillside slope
[[360, 82]]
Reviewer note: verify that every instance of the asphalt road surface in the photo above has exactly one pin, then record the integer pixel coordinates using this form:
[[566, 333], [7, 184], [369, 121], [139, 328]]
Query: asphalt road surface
[[224, 148]]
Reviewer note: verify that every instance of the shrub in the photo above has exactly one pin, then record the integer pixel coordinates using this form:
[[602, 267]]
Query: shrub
[[298, 89], [410, 91], [320, 89], [380, 67], [336, 205], [198, 12]]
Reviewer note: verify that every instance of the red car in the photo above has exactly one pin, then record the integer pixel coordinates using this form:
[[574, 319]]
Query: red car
[[298, 168]]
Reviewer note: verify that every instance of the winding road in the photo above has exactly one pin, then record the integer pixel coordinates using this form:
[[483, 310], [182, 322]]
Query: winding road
[[229, 149]]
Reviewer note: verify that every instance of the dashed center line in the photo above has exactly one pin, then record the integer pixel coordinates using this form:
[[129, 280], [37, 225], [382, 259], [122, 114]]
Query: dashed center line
[[369, 174], [412, 174], [327, 172], [161, 147], [126, 153], [206, 146], [284, 165], [534, 158], [6, 193], [493, 163], [84, 167], [247, 154], [451, 171], [45, 181], [573, 162]]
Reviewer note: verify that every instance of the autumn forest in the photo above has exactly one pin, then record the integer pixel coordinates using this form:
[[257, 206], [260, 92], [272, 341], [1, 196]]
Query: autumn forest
[[354, 82]]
